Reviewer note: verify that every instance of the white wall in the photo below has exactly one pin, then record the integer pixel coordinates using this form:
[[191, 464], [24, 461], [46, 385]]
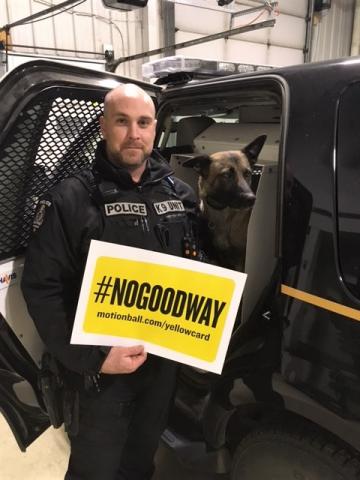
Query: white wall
[[91, 27], [280, 45], [332, 30], [87, 27]]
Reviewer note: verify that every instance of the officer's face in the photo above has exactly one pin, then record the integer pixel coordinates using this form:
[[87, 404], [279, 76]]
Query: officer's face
[[128, 126]]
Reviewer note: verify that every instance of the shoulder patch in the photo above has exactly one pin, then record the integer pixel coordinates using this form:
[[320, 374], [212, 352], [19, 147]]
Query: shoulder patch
[[169, 206], [40, 214]]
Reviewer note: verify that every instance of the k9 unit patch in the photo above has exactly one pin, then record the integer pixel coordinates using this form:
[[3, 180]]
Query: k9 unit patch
[[125, 208], [169, 206]]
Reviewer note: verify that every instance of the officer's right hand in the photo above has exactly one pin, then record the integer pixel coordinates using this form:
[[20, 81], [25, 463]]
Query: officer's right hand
[[124, 360]]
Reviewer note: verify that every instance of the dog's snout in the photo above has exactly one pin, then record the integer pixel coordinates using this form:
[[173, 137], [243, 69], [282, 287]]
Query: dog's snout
[[244, 200], [248, 199]]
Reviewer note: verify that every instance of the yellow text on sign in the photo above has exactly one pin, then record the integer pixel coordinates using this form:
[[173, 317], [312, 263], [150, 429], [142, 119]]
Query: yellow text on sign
[[172, 307]]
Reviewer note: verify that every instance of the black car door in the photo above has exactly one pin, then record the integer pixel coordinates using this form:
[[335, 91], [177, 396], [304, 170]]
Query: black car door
[[48, 129]]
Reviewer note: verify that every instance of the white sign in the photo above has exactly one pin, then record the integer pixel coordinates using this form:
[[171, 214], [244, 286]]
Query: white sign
[[177, 308]]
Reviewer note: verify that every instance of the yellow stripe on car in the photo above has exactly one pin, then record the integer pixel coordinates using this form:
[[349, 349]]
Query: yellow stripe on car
[[321, 302]]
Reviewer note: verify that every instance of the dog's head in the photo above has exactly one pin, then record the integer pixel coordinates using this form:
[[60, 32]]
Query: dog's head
[[225, 177]]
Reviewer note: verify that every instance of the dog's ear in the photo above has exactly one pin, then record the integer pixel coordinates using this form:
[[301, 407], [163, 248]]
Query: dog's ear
[[253, 149], [200, 164]]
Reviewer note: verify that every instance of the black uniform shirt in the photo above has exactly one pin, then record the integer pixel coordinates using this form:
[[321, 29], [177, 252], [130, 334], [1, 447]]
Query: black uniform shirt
[[69, 216]]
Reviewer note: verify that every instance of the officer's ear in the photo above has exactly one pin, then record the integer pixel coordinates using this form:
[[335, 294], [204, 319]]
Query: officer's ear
[[102, 126]]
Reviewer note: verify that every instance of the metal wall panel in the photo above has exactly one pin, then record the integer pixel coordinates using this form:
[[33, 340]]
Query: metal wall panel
[[289, 31], [297, 8], [256, 36], [247, 52], [64, 33], [288, 56], [87, 27], [332, 31], [3, 11], [214, 49], [199, 20], [281, 45], [16, 59], [91, 27], [16, 9]]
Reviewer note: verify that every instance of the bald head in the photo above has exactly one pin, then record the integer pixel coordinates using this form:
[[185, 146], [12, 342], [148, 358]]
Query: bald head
[[127, 91], [128, 127]]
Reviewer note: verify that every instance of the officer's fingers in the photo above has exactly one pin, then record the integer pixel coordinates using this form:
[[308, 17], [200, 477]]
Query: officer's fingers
[[130, 363], [133, 351], [124, 359], [136, 361]]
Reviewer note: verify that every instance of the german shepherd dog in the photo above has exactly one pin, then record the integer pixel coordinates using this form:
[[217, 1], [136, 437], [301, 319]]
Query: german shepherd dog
[[226, 200]]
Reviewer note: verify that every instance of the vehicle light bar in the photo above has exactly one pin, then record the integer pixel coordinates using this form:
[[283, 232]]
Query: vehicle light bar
[[201, 67]]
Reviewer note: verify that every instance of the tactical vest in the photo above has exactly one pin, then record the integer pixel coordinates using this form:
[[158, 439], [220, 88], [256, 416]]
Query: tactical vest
[[151, 216]]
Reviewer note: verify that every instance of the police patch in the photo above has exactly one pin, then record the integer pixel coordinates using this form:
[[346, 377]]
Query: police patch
[[125, 208], [40, 214], [169, 206]]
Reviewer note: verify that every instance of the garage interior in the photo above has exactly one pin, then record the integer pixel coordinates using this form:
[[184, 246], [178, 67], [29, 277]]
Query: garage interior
[[128, 40]]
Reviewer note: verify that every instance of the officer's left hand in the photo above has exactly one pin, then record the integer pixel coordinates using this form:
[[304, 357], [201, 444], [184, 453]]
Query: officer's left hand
[[124, 359]]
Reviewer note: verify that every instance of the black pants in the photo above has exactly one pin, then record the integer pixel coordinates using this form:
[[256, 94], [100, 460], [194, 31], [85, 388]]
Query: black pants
[[120, 426]]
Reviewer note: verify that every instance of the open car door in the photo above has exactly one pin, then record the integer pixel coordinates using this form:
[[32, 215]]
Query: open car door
[[48, 129]]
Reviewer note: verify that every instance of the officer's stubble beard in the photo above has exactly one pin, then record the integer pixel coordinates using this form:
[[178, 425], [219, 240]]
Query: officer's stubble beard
[[120, 161]]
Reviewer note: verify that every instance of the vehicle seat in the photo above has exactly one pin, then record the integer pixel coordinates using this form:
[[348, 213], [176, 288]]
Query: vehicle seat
[[189, 128]]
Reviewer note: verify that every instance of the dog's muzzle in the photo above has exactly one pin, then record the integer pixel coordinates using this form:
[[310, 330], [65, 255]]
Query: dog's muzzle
[[244, 200]]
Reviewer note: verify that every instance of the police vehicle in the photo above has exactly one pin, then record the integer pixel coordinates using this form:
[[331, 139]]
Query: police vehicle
[[287, 404]]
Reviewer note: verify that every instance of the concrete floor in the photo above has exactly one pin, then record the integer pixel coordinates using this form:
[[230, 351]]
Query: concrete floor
[[46, 459]]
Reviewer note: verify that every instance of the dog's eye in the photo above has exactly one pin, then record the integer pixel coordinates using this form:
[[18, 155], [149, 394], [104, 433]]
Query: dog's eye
[[227, 173], [247, 174]]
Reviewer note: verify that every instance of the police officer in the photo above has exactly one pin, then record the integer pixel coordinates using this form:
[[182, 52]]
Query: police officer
[[122, 394]]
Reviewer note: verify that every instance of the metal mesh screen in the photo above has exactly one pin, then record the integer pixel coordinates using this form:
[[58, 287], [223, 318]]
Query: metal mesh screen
[[54, 136]]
